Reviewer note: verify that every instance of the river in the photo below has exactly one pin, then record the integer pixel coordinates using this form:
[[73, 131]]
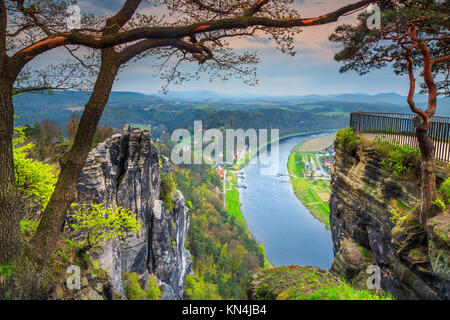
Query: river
[[278, 219]]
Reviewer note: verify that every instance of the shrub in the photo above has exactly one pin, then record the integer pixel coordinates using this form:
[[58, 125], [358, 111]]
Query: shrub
[[6, 270], [383, 147], [439, 204], [33, 178], [444, 190], [134, 291], [402, 160], [198, 289], [347, 140], [153, 291], [168, 187], [397, 216], [98, 222], [28, 227]]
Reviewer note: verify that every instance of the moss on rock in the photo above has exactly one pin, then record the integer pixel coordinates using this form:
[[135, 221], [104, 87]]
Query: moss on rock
[[438, 232], [301, 283], [269, 284]]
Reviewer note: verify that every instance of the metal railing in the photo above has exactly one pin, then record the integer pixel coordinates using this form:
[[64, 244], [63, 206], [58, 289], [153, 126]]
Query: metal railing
[[399, 128]]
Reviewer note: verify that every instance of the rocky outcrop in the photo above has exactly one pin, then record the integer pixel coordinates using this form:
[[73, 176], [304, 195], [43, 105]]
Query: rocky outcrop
[[125, 171], [170, 261], [351, 262], [362, 204], [438, 229]]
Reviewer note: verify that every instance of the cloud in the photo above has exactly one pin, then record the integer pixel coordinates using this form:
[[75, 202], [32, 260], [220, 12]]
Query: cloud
[[312, 70]]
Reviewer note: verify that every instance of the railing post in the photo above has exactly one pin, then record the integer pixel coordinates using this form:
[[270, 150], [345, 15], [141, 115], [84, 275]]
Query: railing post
[[358, 120]]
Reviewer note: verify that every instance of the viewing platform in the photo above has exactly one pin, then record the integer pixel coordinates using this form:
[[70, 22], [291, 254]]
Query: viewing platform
[[399, 128]]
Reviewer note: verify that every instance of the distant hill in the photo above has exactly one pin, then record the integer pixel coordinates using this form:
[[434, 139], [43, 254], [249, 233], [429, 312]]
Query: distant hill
[[391, 98], [80, 98], [180, 109], [77, 98]]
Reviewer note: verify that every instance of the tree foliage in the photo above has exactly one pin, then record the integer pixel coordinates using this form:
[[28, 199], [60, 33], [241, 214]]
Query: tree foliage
[[97, 222], [364, 49], [198, 289], [168, 186], [134, 291], [223, 252], [33, 178]]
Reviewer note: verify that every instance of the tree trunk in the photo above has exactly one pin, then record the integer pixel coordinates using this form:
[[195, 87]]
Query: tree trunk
[[35, 256], [10, 244], [428, 172]]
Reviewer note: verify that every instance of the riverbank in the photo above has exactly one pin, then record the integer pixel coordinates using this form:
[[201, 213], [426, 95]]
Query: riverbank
[[233, 206], [276, 218], [313, 192], [232, 197], [249, 155]]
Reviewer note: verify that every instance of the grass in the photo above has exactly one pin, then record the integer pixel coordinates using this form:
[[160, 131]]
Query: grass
[[308, 190], [343, 292], [307, 283], [232, 201]]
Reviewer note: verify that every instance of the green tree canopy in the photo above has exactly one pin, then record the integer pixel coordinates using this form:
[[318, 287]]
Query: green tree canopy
[[98, 222], [34, 178]]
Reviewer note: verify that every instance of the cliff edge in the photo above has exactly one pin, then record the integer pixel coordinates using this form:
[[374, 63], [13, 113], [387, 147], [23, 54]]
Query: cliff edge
[[376, 213], [125, 171]]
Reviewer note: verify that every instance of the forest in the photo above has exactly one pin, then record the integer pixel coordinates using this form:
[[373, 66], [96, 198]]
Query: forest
[[223, 250]]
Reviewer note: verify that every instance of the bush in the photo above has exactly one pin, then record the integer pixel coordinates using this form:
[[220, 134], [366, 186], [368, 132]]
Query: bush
[[439, 204], [198, 289], [134, 291], [444, 190], [33, 178], [347, 140], [402, 160], [6, 270], [28, 227], [153, 291], [168, 187]]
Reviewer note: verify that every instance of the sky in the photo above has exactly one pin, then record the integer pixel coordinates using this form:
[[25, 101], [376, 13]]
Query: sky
[[311, 71]]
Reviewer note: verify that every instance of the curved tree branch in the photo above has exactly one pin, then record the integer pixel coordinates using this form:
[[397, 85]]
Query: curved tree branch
[[112, 39]]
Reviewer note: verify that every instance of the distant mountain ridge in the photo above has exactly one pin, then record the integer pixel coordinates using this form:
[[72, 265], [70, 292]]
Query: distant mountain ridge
[[183, 108], [78, 98], [389, 97]]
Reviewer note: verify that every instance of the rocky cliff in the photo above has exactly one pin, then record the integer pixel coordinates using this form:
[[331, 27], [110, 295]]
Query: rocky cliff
[[367, 229], [125, 171]]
